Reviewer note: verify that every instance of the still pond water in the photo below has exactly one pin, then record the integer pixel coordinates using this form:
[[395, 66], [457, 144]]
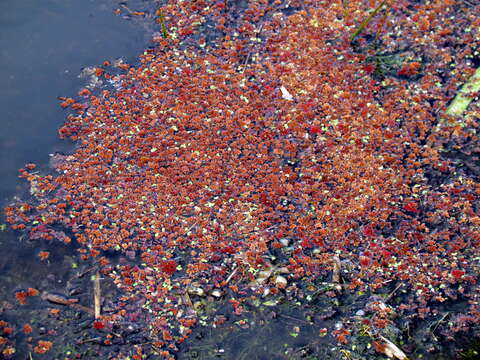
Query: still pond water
[[43, 47]]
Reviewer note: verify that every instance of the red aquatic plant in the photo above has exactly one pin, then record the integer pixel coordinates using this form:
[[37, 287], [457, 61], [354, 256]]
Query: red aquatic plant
[[98, 325], [27, 329], [42, 347], [21, 297], [168, 266], [199, 167]]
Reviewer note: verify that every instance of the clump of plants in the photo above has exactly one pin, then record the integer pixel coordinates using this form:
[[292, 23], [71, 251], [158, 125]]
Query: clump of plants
[[242, 180]]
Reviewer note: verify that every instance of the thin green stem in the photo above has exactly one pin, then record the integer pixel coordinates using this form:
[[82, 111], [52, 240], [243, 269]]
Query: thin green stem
[[162, 25], [345, 8], [367, 20]]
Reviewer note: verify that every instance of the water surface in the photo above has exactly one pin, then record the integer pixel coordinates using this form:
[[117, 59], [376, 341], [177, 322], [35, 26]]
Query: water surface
[[43, 47]]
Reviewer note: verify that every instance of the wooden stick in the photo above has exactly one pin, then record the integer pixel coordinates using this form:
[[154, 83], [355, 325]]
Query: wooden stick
[[89, 340], [97, 295], [393, 292], [231, 275], [337, 268], [82, 308], [63, 300], [439, 321]]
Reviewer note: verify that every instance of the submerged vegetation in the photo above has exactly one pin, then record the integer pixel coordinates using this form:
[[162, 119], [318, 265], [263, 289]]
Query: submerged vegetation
[[253, 156]]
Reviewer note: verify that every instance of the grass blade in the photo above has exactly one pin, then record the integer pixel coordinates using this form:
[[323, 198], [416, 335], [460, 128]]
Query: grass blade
[[367, 20]]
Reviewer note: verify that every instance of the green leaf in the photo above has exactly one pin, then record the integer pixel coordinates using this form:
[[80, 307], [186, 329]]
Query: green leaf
[[271, 302], [464, 98]]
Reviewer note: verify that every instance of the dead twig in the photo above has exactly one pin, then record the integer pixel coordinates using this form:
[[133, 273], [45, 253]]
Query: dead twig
[[295, 319], [437, 324], [83, 273], [89, 340], [337, 268], [97, 295], [251, 49], [393, 292], [439, 321], [60, 299], [231, 276], [82, 308]]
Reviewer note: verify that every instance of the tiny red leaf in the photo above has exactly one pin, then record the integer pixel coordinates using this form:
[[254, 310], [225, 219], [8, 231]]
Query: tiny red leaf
[[315, 129], [457, 274], [98, 324], [411, 206]]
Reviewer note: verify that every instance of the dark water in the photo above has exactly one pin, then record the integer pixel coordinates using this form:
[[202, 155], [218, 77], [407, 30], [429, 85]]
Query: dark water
[[43, 47]]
